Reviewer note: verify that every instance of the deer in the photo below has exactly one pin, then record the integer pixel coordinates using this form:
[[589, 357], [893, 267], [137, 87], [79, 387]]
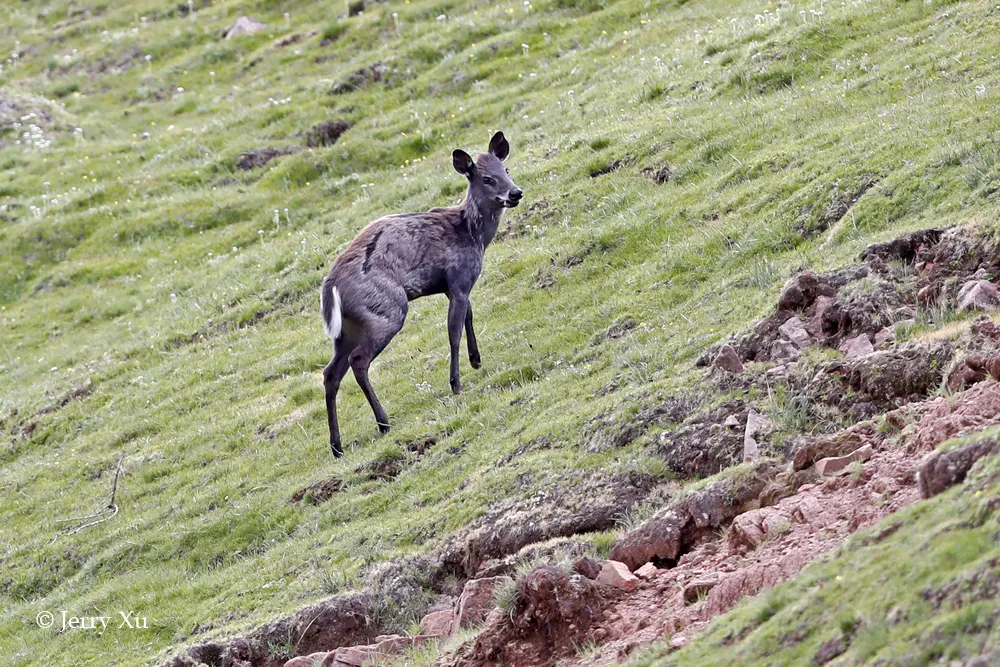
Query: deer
[[405, 256]]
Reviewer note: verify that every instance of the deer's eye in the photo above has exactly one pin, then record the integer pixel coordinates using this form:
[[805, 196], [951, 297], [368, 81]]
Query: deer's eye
[[488, 181]]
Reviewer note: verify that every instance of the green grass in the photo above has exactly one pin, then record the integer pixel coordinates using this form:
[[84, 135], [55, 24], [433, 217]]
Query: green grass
[[135, 255]]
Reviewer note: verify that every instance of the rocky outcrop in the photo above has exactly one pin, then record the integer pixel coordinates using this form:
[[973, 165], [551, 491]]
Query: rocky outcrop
[[942, 470], [675, 529], [551, 616], [590, 502]]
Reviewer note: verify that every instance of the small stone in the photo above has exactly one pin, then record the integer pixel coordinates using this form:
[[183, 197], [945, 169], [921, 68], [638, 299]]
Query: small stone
[[978, 294], [477, 600], [732, 421], [352, 656], [728, 360], [699, 586], [311, 660], [438, 623], [647, 571], [756, 423], [783, 350], [855, 348], [777, 371], [587, 567], [884, 336], [795, 331], [829, 466], [816, 313], [614, 573], [244, 25], [392, 644]]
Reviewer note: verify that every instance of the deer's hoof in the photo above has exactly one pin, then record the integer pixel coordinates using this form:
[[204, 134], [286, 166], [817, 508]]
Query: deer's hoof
[[475, 362], [336, 449], [456, 388], [383, 428]]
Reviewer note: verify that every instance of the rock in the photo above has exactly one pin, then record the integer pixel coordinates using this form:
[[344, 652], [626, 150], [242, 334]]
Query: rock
[[552, 616], [783, 350], [838, 444], [354, 656], [940, 470], [732, 421], [795, 331], [749, 529], [904, 248], [438, 623], [699, 586], [675, 529], [244, 25], [978, 294], [311, 660], [614, 573], [777, 371], [854, 348], [756, 423], [702, 445], [647, 571], [587, 567], [728, 360], [832, 465], [884, 336], [909, 372], [800, 291], [964, 375], [571, 504], [817, 313], [477, 600]]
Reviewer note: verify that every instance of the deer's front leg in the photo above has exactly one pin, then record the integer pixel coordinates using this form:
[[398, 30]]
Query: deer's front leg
[[470, 337], [458, 306]]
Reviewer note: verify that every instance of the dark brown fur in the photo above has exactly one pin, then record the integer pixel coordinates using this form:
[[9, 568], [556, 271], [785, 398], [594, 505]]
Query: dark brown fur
[[402, 257]]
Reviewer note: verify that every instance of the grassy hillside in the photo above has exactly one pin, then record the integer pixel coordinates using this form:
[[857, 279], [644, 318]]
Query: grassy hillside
[[160, 305]]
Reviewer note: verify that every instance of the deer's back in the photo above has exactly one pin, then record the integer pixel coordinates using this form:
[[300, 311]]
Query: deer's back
[[416, 251]]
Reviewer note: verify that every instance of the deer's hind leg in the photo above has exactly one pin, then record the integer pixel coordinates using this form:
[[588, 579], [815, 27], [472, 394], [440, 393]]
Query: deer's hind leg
[[376, 333], [332, 376]]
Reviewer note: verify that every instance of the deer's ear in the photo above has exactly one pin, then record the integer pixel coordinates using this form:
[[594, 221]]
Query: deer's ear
[[499, 146], [462, 162]]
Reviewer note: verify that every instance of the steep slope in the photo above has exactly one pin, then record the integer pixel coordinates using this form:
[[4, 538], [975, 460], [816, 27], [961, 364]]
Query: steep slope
[[170, 200]]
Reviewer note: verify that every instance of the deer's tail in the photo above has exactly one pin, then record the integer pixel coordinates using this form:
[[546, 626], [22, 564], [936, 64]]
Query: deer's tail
[[329, 305]]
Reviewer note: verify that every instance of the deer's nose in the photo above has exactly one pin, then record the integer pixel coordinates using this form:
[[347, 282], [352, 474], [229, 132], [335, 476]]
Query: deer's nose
[[515, 194]]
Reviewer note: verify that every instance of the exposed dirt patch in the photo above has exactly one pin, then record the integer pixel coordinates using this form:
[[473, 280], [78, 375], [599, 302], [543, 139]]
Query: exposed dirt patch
[[361, 78], [340, 621], [841, 202], [553, 611], [558, 550], [614, 165], [386, 467], [617, 428], [326, 133], [707, 443], [318, 493], [258, 157], [574, 504], [659, 175]]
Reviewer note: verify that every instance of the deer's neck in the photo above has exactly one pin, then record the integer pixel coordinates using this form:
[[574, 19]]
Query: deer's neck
[[483, 222]]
